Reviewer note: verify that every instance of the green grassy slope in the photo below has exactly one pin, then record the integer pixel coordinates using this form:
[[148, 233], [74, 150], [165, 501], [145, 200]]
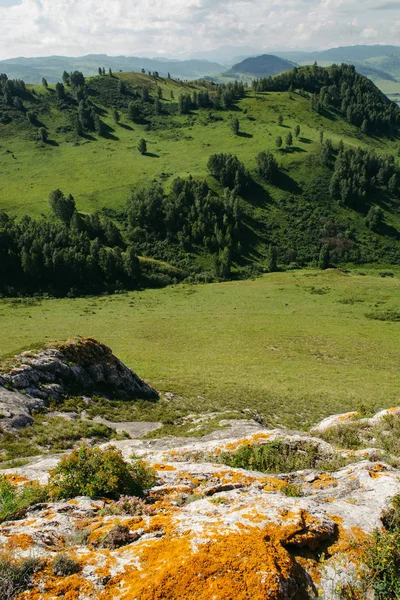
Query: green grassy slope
[[100, 171], [294, 346]]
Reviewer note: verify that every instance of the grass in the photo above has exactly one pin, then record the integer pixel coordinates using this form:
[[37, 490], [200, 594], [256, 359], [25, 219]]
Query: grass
[[15, 501], [105, 170], [269, 344]]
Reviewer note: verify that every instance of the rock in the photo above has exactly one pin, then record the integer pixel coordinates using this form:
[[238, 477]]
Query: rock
[[83, 366]]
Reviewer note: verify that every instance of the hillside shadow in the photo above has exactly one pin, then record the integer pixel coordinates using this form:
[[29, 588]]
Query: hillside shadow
[[243, 134], [256, 195], [293, 149], [285, 183]]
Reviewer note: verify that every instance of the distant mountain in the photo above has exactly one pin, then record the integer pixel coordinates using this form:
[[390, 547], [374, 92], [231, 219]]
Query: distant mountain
[[376, 62], [31, 70], [263, 66], [228, 55]]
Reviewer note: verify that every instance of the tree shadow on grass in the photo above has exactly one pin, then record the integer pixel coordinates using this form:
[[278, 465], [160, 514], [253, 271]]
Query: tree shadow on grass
[[287, 184], [52, 143], [304, 140], [127, 127], [244, 134], [151, 155]]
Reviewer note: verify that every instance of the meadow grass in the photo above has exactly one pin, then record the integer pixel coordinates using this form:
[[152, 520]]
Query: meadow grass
[[294, 346]]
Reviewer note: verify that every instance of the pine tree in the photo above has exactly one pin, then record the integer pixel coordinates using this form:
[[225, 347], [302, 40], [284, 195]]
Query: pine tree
[[43, 135], [272, 259], [297, 131], [324, 255], [235, 125], [289, 139], [116, 115], [44, 83], [279, 142], [142, 146], [280, 120]]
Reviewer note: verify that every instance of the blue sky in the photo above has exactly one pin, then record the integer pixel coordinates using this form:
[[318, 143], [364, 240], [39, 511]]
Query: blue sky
[[180, 27]]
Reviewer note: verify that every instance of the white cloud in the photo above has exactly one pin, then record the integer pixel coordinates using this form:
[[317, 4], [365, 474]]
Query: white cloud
[[174, 27]]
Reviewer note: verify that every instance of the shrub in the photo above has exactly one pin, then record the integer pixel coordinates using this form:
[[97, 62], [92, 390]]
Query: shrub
[[95, 472], [345, 436], [118, 536], [292, 490], [14, 501], [64, 565], [15, 575]]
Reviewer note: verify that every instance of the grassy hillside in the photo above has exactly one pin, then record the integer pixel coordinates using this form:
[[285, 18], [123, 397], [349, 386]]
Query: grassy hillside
[[294, 346], [101, 171], [294, 214]]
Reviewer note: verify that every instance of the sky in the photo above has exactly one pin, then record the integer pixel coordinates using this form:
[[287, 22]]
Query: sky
[[180, 28]]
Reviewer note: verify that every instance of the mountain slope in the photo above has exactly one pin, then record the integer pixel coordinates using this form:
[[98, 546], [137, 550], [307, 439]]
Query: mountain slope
[[31, 70], [263, 66], [288, 197]]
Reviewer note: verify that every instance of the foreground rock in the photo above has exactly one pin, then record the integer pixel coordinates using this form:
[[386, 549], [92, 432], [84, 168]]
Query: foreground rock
[[81, 367], [209, 531]]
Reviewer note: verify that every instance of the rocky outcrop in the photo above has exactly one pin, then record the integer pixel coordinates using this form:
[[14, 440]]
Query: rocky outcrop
[[207, 530], [82, 366]]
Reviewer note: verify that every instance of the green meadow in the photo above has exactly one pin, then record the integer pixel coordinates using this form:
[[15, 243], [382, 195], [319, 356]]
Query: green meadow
[[293, 346]]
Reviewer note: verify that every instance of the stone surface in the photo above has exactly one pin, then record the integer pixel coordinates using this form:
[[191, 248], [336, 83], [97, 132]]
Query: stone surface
[[209, 531], [78, 367]]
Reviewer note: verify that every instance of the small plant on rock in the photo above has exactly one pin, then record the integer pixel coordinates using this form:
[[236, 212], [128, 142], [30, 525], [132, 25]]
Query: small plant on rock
[[97, 473], [16, 575], [118, 536], [64, 565]]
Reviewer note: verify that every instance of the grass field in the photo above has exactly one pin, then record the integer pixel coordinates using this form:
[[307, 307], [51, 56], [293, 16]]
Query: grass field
[[295, 346], [101, 172]]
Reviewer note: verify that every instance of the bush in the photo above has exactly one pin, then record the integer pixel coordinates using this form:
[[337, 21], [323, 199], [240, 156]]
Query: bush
[[95, 472], [292, 490], [15, 576], [64, 565], [14, 501], [118, 536]]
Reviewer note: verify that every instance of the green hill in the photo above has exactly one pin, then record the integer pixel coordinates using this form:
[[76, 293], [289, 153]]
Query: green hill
[[262, 66], [329, 193]]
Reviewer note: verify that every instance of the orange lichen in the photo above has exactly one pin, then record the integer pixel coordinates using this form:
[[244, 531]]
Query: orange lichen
[[15, 478], [325, 480], [164, 467], [19, 541]]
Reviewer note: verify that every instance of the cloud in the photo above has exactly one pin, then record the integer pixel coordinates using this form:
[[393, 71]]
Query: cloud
[[177, 27]]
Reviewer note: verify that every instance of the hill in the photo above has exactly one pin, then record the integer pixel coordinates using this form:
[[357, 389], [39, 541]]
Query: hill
[[31, 70], [211, 194], [380, 63], [262, 66]]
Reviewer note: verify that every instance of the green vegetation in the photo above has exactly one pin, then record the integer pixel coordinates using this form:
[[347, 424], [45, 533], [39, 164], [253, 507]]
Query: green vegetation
[[295, 346], [280, 457], [51, 434], [98, 473], [16, 575], [14, 501], [64, 565], [294, 198]]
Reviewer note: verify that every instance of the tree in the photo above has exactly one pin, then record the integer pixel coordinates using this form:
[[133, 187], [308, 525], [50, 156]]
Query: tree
[[235, 125], [100, 71], [267, 166], [145, 94], [365, 126], [143, 71], [43, 135], [393, 184], [272, 259], [374, 218], [321, 137], [142, 146], [60, 91], [133, 112], [44, 83], [116, 115], [110, 72], [63, 207], [278, 142], [324, 256], [65, 78], [157, 107], [297, 131], [159, 92], [121, 87], [104, 70], [172, 95], [169, 75], [280, 120], [289, 139]]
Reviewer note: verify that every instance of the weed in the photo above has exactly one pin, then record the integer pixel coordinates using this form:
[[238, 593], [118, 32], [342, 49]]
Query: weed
[[118, 536], [64, 565], [14, 501], [292, 490], [15, 575]]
